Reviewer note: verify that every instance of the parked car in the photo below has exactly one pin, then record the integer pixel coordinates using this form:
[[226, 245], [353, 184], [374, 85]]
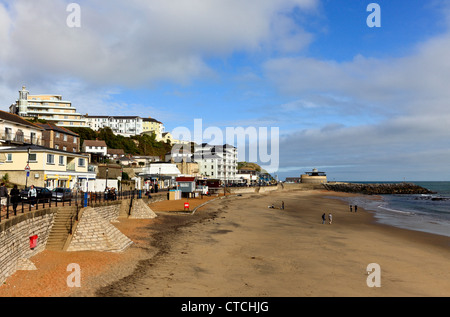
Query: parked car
[[43, 194], [61, 194]]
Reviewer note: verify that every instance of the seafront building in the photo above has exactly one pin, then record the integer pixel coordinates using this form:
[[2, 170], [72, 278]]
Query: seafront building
[[47, 167], [151, 125], [313, 177], [51, 108], [59, 138], [120, 125], [16, 131], [217, 162]]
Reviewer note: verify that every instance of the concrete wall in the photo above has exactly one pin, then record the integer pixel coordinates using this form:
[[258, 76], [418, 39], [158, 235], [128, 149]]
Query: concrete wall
[[15, 239]]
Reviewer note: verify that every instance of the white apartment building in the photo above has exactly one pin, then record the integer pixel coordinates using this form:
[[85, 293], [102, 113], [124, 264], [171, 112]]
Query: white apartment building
[[217, 161], [51, 108], [120, 125]]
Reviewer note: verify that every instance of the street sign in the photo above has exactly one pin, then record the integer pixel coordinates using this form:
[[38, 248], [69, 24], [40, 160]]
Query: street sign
[[28, 173], [27, 168]]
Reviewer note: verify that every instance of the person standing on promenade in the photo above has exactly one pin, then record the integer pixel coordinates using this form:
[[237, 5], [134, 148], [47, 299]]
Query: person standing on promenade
[[3, 196], [32, 195], [323, 218], [15, 198], [330, 218]]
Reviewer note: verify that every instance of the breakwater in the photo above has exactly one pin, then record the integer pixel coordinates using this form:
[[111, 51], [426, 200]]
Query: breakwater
[[377, 189]]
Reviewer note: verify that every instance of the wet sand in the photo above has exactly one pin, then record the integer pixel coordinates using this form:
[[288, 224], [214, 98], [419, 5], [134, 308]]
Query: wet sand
[[238, 247]]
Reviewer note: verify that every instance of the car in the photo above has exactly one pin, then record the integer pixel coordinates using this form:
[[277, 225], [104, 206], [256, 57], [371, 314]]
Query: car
[[43, 194], [61, 194]]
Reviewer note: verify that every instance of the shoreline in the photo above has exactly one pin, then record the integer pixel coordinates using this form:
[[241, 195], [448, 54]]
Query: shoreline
[[239, 247]]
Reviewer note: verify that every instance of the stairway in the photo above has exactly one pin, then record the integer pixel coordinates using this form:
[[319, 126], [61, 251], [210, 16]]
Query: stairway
[[61, 228]]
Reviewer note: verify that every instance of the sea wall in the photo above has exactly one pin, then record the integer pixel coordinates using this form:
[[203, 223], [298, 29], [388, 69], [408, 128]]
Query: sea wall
[[378, 189], [15, 239]]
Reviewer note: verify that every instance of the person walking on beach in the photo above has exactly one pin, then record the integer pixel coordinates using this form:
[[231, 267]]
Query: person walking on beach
[[32, 195], [3, 196], [330, 218], [323, 218], [350, 208], [356, 207], [282, 205], [15, 198]]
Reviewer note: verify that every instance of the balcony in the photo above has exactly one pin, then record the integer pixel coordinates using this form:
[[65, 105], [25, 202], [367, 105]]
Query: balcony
[[20, 138]]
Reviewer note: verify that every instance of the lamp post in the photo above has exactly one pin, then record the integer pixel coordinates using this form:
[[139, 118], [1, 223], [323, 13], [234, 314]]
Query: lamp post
[[28, 164], [106, 186]]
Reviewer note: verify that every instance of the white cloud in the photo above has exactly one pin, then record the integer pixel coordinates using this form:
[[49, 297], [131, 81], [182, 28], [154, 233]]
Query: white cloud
[[139, 42]]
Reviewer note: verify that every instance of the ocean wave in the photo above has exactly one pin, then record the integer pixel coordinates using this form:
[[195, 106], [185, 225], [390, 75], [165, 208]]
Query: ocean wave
[[396, 210]]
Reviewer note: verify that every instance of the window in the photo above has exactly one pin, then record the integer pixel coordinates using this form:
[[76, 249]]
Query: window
[[74, 139], [50, 159], [56, 147], [81, 162], [57, 135], [32, 157], [9, 157], [65, 137], [61, 160], [64, 148]]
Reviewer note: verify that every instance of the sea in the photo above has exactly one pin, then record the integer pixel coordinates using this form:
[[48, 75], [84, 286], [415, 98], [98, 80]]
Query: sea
[[428, 213]]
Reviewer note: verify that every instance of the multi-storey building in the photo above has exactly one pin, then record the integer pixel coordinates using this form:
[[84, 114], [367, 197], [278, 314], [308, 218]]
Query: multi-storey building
[[150, 125], [16, 131], [59, 138], [217, 161], [48, 167], [120, 125], [51, 108]]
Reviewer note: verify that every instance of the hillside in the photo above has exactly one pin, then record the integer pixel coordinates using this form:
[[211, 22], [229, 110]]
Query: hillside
[[249, 166], [136, 145]]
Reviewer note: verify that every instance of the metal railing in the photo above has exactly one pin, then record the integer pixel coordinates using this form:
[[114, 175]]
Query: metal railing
[[79, 199]]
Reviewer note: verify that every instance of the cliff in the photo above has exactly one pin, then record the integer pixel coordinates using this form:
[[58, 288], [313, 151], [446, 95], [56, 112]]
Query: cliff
[[378, 189]]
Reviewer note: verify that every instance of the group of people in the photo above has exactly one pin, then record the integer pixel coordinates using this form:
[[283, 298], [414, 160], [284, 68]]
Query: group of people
[[110, 193], [324, 218], [330, 216], [15, 196]]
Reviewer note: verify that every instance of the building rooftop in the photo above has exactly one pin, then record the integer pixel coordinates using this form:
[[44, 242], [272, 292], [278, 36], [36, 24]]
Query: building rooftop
[[49, 126], [100, 143], [7, 116]]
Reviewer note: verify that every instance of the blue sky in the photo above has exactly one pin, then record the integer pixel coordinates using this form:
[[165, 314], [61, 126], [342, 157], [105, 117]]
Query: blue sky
[[359, 103]]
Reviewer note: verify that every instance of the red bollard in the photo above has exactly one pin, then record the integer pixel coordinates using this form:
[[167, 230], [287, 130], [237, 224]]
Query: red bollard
[[33, 242]]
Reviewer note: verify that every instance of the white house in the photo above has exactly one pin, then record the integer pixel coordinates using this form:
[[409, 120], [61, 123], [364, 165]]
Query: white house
[[95, 147]]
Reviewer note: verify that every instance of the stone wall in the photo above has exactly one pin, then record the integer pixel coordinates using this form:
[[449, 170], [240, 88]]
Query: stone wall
[[15, 239], [95, 233]]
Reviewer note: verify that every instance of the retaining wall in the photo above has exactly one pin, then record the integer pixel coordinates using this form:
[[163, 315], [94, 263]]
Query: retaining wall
[[15, 239]]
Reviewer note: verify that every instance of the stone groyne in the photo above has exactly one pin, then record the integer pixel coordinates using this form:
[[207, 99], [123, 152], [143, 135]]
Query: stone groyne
[[378, 189]]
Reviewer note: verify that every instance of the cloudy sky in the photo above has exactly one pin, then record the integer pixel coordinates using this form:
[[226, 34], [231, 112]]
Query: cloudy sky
[[357, 102]]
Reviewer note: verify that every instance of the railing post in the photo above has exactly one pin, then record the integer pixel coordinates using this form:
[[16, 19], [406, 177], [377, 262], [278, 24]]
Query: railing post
[[7, 207]]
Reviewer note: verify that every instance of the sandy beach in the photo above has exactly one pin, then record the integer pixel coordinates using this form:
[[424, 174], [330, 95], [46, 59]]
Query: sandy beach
[[238, 247]]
